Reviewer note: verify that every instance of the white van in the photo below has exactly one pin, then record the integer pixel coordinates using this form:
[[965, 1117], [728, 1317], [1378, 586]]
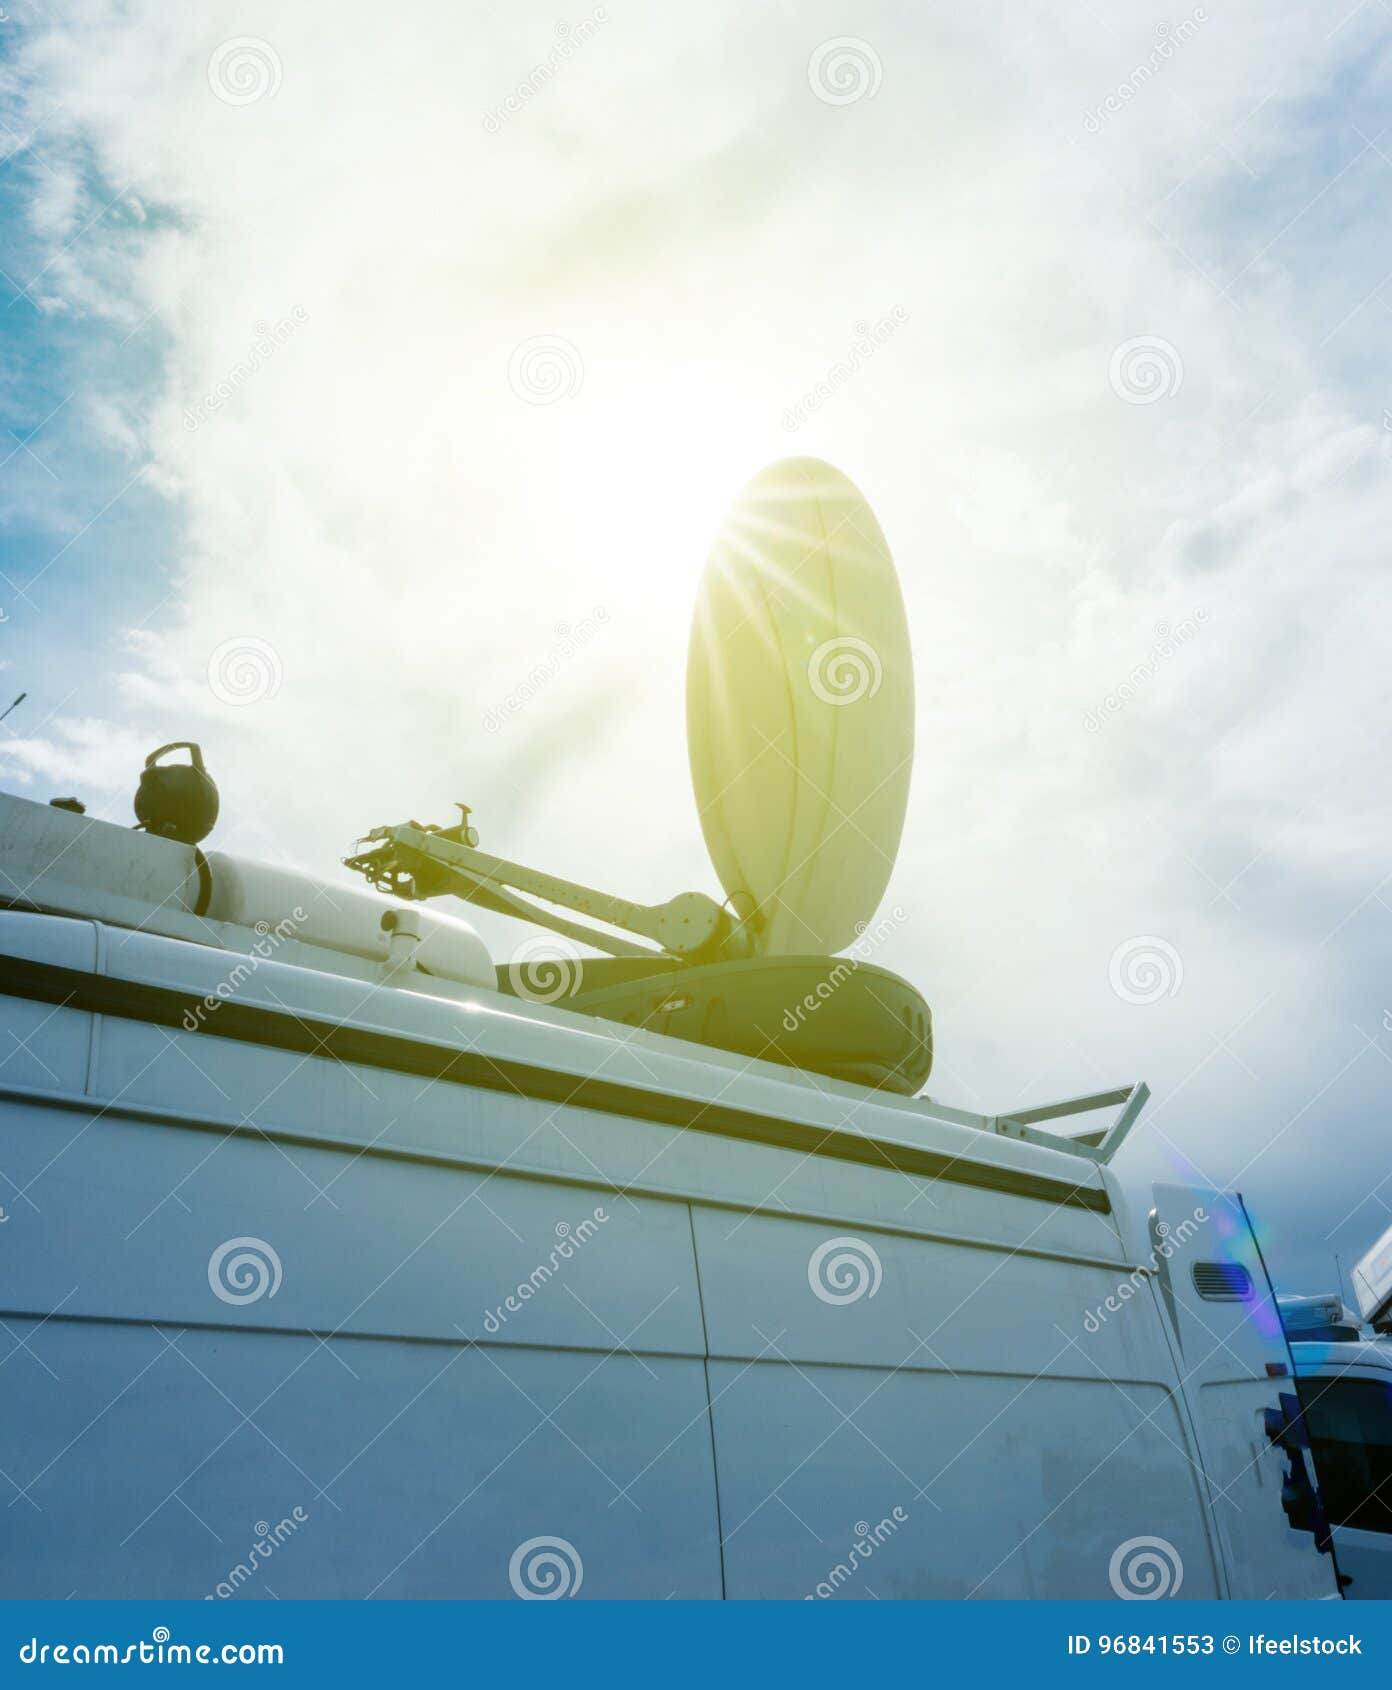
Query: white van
[[331, 1271], [1345, 1390]]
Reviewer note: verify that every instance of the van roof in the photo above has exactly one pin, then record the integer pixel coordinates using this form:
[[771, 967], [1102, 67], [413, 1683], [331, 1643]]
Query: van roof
[[490, 1040]]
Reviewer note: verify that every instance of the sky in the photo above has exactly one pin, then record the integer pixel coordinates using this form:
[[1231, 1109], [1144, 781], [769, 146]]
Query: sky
[[372, 392]]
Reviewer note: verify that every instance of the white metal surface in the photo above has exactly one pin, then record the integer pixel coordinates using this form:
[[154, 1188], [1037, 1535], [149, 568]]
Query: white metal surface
[[673, 1399], [345, 919], [53, 859], [1223, 1348], [1372, 1280]]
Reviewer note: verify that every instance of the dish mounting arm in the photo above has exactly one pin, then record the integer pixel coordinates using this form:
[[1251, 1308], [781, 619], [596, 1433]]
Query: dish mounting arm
[[411, 861]]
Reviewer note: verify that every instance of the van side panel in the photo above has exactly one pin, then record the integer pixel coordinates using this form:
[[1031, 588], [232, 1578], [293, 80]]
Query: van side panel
[[935, 1404], [417, 1358], [988, 1488], [131, 1215], [153, 1460]]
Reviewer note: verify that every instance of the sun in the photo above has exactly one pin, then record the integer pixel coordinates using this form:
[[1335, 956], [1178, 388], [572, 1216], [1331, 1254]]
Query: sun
[[637, 471]]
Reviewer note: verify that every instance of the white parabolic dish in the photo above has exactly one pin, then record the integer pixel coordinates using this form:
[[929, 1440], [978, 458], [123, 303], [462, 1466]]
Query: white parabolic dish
[[800, 708]]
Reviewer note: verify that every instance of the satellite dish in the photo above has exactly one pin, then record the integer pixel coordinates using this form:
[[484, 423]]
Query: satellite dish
[[800, 731], [800, 708]]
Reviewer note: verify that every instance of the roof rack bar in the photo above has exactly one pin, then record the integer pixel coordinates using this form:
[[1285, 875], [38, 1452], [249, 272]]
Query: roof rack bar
[[1096, 1147], [1115, 1135], [1072, 1106]]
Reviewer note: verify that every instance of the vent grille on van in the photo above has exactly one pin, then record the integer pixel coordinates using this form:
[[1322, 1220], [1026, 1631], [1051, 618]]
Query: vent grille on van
[[1222, 1282]]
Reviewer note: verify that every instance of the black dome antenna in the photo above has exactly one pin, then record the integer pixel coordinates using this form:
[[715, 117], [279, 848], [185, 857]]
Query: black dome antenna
[[177, 800]]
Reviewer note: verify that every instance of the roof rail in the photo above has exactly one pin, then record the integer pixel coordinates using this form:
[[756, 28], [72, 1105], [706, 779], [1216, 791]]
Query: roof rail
[[1099, 1145]]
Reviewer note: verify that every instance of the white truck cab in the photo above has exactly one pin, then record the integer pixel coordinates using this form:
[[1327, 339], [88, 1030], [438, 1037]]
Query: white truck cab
[[1345, 1391]]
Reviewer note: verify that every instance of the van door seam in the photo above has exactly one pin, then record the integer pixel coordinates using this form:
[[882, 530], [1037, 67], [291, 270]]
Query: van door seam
[[710, 1404]]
